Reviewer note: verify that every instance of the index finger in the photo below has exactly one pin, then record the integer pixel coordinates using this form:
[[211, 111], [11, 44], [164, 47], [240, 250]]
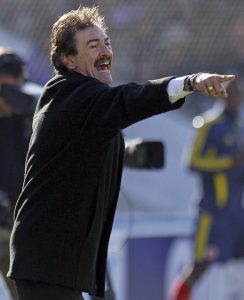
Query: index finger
[[227, 78]]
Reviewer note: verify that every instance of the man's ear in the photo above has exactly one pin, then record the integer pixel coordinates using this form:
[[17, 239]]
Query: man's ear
[[68, 61]]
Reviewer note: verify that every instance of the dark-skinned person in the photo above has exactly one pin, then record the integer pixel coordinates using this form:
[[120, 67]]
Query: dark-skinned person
[[64, 215], [217, 155]]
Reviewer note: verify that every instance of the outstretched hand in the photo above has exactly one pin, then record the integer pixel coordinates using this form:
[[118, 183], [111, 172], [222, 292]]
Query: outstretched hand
[[212, 84]]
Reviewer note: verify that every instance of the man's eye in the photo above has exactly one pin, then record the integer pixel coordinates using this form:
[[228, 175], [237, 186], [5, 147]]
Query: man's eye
[[93, 46]]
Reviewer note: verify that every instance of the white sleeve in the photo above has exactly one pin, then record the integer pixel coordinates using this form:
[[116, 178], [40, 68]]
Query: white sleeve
[[175, 89]]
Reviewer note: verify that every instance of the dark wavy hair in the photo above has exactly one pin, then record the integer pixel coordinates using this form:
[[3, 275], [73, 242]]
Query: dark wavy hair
[[64, 29]]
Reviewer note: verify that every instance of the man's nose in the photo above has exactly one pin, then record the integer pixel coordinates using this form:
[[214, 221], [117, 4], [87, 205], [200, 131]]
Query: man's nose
[[105, 50]]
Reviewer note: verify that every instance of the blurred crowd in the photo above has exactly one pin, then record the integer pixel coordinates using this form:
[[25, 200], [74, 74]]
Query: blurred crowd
[[149, 38]]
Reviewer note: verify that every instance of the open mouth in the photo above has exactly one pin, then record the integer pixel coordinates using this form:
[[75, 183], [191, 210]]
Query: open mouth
[[103, 66]]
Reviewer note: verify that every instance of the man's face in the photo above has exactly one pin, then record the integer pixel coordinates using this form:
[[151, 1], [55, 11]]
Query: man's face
[[11, 80], [94, 55], [234, 100]]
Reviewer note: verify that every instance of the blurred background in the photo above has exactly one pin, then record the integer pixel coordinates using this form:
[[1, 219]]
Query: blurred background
[[152, 236], [150, 39]]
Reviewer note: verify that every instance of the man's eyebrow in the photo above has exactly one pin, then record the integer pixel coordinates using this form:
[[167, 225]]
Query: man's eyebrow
[[97, 40]]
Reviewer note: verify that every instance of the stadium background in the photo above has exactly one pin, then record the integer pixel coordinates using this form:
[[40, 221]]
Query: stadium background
[[150, 39]]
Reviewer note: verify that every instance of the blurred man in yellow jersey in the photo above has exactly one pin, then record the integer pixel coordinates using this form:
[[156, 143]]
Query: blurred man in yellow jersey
[[217, 156]]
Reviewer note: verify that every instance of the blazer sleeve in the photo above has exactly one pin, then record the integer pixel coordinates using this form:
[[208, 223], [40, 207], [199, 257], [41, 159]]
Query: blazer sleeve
[[110, 109]]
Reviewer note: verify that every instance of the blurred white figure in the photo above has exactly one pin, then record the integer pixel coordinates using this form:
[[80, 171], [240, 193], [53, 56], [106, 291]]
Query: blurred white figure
[[4, 291]]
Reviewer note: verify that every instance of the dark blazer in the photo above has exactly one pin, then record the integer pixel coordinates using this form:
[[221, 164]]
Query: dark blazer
[[64, 215]]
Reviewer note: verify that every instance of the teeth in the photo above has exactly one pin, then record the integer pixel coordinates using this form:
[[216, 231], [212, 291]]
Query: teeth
[[104, 63], [103, 67]]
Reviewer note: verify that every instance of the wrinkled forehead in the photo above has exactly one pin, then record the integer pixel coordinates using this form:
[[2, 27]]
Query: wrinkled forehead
[[89, 34]]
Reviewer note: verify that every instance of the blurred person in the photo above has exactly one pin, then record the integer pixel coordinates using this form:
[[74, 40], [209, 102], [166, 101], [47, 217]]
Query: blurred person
[[16, 111], [64, 215], [217, 155]]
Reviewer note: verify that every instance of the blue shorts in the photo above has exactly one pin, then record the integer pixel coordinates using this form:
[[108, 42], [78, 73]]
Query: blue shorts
[[219, 236]]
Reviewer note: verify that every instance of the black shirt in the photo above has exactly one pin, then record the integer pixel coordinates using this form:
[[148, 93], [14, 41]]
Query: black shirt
[[15, 132]]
